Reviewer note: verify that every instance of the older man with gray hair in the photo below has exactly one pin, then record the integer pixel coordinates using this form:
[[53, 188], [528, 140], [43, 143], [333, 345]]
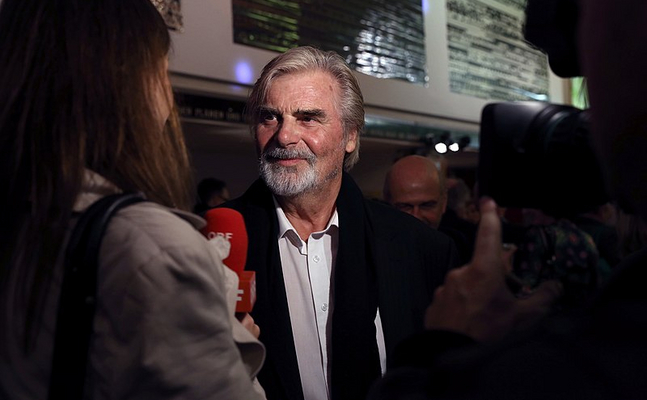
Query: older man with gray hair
[[340, 280]]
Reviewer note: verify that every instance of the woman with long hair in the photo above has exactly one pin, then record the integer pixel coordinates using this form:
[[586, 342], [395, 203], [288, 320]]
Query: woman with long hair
[[87, 111]]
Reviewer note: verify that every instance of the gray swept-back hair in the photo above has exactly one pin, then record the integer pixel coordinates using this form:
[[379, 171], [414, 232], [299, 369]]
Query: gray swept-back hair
[[299, 59]]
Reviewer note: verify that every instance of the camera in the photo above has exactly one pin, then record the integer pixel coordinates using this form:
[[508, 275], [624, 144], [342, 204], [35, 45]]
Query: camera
[[538, 155]]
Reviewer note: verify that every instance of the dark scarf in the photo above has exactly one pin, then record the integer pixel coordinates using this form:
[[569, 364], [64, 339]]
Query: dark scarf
[[354, 354]]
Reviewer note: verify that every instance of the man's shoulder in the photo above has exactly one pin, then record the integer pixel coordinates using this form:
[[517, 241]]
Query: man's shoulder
[[404, 243], [386, 217], [256, 207], [257, 196]]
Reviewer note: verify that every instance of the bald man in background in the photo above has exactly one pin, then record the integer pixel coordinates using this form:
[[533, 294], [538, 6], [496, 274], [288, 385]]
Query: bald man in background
[[415, 185]]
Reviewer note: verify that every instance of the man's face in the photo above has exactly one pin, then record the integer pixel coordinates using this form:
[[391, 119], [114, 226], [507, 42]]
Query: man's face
[[418, 194], [299, 134]]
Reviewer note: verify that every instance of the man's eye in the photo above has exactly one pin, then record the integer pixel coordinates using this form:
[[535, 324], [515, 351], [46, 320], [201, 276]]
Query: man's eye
[[266, 116], [403, 207]]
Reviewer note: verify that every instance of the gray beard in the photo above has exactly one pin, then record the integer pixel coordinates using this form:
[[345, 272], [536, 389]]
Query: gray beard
[[286, 181]]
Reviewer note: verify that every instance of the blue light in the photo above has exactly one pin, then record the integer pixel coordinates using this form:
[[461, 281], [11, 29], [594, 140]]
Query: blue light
[[244, 73], [425, 7]]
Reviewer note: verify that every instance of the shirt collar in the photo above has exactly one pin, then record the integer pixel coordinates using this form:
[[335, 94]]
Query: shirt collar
[[285, 226]]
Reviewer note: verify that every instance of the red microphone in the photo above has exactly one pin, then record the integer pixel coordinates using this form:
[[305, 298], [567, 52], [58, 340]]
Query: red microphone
[[230, 224]]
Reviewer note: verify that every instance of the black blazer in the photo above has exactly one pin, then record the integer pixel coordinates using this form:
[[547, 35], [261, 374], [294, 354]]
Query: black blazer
[[409, 261]]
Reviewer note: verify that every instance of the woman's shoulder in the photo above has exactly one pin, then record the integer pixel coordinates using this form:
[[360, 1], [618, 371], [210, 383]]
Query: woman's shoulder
[[146, 230], [149, 215]]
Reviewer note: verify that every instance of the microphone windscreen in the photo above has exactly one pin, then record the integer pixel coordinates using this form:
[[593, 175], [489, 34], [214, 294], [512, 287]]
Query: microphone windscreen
[[230, 224]]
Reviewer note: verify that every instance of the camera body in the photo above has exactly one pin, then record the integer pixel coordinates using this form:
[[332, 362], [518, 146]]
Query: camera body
[[538, 155]]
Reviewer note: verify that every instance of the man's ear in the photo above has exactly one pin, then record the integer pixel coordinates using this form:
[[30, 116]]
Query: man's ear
[[351, 142], [443, 198]]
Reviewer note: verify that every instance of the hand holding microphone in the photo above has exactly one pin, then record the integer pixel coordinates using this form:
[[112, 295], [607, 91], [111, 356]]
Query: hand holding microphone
[[230, 225], [248, 323]]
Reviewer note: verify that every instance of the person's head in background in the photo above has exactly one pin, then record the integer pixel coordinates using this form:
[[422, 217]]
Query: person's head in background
[[415, 185], [84, 86], [461, 201], [211, 192]]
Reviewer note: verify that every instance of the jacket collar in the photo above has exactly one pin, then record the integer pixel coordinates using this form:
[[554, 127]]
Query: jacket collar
[[96, 186]]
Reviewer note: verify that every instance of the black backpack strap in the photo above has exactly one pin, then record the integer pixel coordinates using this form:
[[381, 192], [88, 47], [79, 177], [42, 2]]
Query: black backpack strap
[[78, 297]]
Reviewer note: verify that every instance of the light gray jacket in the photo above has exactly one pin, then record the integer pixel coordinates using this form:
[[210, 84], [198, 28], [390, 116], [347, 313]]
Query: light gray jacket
[[164, 325]]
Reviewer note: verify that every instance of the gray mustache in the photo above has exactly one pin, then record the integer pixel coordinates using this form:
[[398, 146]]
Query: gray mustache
[[282, 154]]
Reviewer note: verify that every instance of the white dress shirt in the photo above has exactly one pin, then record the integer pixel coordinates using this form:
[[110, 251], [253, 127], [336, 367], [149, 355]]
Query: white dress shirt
[[307, 270]]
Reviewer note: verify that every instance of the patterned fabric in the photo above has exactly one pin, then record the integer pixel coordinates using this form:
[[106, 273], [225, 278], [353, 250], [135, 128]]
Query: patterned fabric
[[559, 251]]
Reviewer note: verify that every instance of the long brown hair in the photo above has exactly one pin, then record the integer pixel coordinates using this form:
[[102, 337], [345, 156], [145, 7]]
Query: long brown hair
[[78, 81]]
